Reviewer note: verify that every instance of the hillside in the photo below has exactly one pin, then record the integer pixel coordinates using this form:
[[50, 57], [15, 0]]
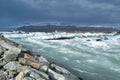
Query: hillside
[[52, 28]]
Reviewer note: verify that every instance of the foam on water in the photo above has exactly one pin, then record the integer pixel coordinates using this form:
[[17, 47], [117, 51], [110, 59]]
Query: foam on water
[[83, 55]]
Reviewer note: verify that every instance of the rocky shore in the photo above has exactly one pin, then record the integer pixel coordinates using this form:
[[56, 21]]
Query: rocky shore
[[18, 63]]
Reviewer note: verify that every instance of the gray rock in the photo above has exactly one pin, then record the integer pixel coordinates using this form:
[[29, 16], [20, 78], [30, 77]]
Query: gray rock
[[59, 69], [3, 75], [1, 50], [10, 56], [2, 62], [33, 75], [11, 47], [1, 37], [28, 78], [14, 66], [57, 76], [12, 79], [44, 68], [43, 60], [43, 74]]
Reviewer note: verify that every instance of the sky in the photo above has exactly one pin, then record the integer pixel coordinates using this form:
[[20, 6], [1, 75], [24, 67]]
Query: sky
[[14, 13]]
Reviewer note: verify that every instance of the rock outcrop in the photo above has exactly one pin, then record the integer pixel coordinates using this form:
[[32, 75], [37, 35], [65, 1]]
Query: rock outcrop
[[18, 63]]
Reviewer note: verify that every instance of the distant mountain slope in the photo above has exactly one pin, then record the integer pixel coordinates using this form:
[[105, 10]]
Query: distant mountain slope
[[52, 28]]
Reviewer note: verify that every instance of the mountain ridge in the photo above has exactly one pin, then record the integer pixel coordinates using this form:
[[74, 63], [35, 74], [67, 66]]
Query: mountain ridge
[[68, 28]]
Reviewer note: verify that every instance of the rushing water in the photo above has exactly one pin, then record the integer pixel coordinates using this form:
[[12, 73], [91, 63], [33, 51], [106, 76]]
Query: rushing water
[[84, 56]]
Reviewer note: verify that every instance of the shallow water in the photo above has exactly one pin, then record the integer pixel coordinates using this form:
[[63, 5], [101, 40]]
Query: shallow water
[[92, 60]]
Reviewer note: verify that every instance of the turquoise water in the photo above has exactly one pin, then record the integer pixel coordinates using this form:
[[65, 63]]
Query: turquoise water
[[91, 60]]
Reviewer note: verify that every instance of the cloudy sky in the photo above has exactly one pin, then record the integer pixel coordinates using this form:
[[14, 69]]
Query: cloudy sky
[[18, 12]]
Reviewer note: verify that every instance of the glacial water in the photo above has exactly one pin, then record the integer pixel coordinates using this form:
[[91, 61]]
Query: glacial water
[[83, 55]]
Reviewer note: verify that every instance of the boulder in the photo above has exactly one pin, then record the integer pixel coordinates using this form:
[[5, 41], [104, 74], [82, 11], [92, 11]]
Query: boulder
[[11, 47], [98, 39], [28, 78], [43, 60], [3, 75], [30, 63], [57, 76], [59, 69], [33, 74], [1, 50], [43, 74], [30, 57], [20, 76], [44, 68], [1, 37], [14, 66], [2, 63], [10, 56]]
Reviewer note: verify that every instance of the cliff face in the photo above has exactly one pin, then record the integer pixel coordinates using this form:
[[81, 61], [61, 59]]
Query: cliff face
[[18, 63], [52, 28]]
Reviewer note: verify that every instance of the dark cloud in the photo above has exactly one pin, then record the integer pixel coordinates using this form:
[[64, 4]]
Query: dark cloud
[[16, 12]]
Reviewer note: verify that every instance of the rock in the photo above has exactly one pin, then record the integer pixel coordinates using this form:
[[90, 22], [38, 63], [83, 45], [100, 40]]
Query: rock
[[43, 60], [20, 76], [14, 66], [22, 48], [44, 68], [98, 39], [117, 33], [2, 63], [11, 47], [1, 50], [30, 63], [10, 56], [12, 79], [28, 78], [59, 69], [3, 75], [57, 76], [33, 75], [43, 74], [30, 57], [2, 37]]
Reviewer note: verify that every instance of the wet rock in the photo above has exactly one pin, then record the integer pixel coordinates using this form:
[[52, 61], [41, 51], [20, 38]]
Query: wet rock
[[20, 76], [44, 68], [105, 38], [2, 37], [14, 66], [23, 49], [57, 76], [117, 33], [43, 60], [88, 39], [59, 69], [98, 39]]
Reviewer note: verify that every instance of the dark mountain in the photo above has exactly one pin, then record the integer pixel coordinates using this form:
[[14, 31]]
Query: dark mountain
[[52, 28]]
